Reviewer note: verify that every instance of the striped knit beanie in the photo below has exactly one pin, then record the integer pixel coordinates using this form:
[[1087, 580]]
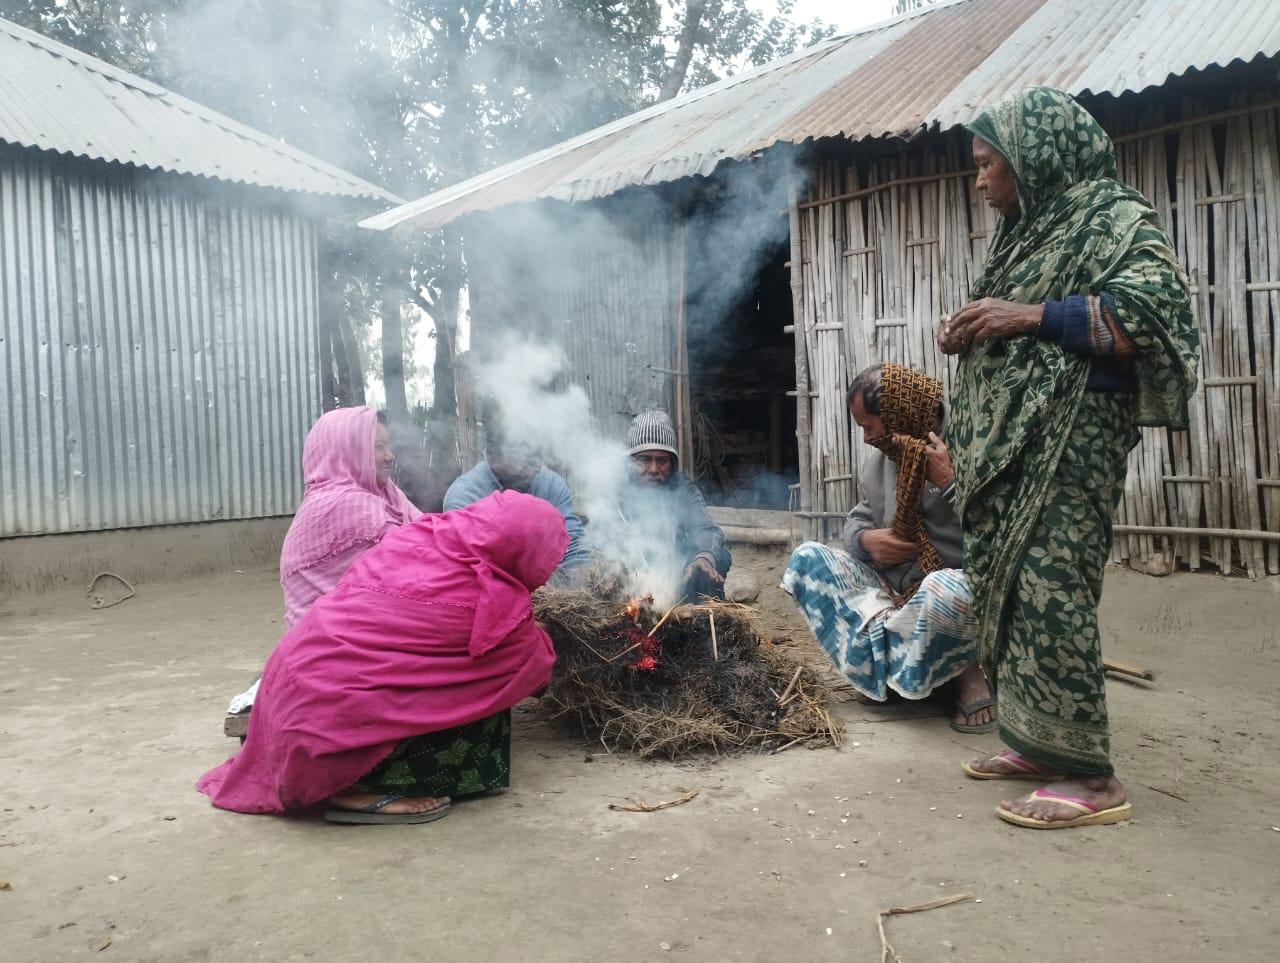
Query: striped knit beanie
[[651, 431]]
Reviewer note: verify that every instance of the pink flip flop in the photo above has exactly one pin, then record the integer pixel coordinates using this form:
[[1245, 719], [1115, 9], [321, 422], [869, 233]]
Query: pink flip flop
[[1025, 770], [1090, 813]]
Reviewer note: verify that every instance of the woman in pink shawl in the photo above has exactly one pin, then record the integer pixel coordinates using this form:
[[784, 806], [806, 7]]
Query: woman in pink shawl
[[349, 504], [393, 693]]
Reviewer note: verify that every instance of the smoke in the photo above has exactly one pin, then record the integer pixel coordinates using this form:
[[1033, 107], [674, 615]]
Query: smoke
[[627, 527], [574, 333]]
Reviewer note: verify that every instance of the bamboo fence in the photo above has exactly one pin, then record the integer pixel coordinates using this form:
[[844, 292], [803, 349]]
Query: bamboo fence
[[886, 247]]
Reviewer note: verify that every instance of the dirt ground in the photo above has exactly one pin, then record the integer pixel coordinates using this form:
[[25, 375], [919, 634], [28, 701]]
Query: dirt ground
[[107, 718]]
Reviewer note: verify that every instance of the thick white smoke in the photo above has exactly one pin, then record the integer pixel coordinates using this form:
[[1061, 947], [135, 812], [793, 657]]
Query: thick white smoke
[[522, 386]]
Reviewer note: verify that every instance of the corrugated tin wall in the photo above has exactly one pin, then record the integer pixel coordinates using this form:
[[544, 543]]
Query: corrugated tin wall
[[158, 348]]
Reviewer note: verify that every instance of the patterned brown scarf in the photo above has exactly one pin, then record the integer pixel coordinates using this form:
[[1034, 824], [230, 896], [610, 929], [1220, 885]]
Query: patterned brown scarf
[[909, 409]]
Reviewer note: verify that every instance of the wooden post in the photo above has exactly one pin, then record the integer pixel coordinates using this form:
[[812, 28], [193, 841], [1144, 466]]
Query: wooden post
[[803, 430], [683, 405]]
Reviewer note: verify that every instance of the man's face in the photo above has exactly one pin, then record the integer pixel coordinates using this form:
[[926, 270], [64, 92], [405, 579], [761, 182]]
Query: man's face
[[995, 179], [516, 468], [653, 467], [872, 425]]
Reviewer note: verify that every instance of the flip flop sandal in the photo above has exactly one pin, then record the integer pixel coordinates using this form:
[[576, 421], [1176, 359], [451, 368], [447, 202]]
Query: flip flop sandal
[[1025, 769], [968, 709], [1090, 813], [372, 814]]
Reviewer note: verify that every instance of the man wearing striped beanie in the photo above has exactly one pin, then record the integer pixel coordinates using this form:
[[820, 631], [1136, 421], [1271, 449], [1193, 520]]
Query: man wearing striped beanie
[[660, 494]]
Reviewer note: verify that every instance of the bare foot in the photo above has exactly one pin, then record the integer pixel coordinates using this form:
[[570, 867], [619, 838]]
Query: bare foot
[[973, 688], [356, 801], [1103, 792]]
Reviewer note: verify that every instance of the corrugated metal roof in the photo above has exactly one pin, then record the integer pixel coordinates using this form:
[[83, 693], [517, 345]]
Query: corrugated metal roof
[[932, 69], [59, 99]]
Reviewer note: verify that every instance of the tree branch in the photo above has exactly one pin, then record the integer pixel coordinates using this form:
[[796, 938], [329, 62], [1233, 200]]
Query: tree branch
[[693, 13]]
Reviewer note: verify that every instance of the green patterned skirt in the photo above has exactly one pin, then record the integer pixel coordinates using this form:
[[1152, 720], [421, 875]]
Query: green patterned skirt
[[1043, 647], [470, 759]]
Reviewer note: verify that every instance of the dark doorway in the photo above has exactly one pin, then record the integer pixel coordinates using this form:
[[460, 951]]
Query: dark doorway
[[741, 368]]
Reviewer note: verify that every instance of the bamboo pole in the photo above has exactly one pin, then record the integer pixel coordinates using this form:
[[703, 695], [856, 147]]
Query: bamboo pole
[[1170, 531], [803, 429]]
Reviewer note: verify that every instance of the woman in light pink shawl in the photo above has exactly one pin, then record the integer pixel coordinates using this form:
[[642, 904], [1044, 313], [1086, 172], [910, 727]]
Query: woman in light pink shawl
[[350, 503], [393, 693]]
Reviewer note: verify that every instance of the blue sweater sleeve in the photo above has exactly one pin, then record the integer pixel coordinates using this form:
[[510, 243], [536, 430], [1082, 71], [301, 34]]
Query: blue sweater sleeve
[[468, 489], [1066, 323], [1089, 327]]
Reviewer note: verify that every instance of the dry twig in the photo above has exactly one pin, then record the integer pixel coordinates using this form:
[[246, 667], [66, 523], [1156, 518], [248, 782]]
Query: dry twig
[[658, 624], [643, 807], [887, 951], [782, 701], [1166, 792]]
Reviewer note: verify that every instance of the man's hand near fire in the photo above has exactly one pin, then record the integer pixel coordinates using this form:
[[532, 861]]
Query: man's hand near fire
[[885, 548], [704, 566]]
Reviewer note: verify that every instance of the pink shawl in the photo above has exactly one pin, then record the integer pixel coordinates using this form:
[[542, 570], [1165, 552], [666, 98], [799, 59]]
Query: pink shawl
[[430, 629], [343, 510]]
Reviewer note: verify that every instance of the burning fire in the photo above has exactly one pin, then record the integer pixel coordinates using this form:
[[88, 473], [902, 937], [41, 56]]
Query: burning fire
[[636, 638], [632, 608]]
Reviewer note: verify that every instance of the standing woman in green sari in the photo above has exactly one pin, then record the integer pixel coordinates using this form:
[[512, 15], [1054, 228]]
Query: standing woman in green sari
[[1081, 332]]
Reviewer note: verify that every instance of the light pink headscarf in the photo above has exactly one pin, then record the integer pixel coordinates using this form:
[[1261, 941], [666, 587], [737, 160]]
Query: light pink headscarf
[[431, 629], [344, 510]]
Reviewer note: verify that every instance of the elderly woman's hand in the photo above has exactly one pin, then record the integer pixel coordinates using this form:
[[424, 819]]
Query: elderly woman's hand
[[948, 342], [980, 321]]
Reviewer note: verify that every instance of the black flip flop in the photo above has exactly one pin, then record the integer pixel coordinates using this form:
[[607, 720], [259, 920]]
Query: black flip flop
[[372, 814], [968, 709]]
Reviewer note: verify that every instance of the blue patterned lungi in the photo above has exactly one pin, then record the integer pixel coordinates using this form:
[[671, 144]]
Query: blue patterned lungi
[[912, 650]]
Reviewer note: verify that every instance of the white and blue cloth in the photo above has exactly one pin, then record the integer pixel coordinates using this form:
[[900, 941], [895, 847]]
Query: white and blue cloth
[[911, 650]]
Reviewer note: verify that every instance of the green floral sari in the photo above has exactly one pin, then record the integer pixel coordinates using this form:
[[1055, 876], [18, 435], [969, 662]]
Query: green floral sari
[[470, 759], [1039, 461]]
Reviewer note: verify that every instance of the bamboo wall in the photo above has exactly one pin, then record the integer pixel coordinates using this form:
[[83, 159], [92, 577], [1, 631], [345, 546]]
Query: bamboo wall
[[884, 248]]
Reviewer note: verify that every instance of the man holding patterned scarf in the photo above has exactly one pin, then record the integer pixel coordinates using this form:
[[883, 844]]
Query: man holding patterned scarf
[[892, 609]]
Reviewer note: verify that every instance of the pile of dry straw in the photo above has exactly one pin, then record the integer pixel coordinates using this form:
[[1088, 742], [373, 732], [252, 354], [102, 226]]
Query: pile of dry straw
[[696, 678]]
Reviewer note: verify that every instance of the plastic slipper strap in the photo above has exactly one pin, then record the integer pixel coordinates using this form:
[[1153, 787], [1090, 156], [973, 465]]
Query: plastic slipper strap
[[1015, 760], [1045, 795], [386, 800]]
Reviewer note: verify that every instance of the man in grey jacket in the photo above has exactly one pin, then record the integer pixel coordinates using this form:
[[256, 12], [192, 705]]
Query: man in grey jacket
[[850, 596], [665, 509]]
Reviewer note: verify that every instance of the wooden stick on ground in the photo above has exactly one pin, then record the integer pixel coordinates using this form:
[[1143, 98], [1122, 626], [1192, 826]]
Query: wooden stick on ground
[[1128, 668], [887, 951], [715, 648], [791, 743], [643, 807]]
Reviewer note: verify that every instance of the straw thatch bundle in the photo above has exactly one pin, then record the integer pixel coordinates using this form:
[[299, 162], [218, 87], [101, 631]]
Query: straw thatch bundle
[[669, 693]]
